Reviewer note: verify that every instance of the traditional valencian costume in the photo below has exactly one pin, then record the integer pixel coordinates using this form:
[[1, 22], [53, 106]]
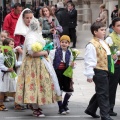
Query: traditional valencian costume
[[35, 83], [61, 60]]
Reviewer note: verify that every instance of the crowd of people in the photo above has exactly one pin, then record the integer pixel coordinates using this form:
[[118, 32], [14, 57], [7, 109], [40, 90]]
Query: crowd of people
[[34, 74], [28, 72]]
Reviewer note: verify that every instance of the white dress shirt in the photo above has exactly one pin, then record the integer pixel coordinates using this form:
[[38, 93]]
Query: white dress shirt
[[90, 59], [109, 41]]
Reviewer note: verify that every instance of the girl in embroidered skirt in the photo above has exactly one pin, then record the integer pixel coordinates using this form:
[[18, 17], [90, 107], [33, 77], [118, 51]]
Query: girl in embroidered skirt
[[35, 85], [62, 58], [7, 84]]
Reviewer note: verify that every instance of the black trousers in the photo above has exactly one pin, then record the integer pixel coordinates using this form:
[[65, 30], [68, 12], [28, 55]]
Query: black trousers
[[101, 97], [72, 34], [113, 83]]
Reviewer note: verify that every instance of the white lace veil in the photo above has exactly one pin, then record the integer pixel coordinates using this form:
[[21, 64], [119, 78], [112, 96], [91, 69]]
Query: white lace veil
[[21, 28], [34, 35]]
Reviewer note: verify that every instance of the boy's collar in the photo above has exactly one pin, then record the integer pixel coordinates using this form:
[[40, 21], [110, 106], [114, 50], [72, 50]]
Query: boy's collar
[[97, 39]]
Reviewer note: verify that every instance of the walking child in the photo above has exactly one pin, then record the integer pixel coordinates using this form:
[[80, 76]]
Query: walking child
[[96, 59], [114, 39], [62, 58]]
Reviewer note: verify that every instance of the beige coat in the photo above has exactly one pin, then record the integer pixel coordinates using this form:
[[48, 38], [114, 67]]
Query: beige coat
[[103, 16]]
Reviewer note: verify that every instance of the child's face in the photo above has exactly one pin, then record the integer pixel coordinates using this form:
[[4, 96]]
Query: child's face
[[116, 28], [100, 33], [11, 44], [3, 36], [64, 44]]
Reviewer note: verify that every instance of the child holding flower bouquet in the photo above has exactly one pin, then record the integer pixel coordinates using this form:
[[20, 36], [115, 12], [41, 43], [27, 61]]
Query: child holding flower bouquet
[[62, 58], [7, 74], [113, 40]]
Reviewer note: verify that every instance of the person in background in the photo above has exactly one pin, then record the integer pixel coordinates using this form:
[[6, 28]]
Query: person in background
[[63, 18], [51, 28], [114, 39], [114, 13], [10, 20], [103, 15], [37, 15], [0, 18], [54, 9], [72, 22], [97, 56], [65, 2]]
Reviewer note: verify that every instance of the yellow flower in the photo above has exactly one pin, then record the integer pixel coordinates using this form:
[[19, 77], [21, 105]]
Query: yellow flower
[[37, 47]]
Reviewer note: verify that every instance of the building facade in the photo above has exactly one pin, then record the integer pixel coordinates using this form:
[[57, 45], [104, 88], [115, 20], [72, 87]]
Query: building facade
[[88, 10]]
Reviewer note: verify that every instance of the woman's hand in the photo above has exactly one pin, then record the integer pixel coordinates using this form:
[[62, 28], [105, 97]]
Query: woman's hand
[[45, 53], [52, 30], [41, 53]]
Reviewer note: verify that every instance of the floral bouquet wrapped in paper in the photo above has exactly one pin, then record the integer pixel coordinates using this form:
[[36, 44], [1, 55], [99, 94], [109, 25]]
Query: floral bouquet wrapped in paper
[[113, 48], [9, 56], [69, 71]]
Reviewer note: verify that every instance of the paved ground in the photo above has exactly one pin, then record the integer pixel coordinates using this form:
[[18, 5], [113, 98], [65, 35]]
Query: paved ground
[[78, 102]]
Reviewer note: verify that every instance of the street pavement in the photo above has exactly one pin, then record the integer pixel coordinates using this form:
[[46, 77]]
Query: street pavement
[[83, 91]]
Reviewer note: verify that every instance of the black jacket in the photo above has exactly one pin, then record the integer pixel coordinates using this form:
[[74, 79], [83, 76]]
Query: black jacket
[[72, 18], [63, 18]]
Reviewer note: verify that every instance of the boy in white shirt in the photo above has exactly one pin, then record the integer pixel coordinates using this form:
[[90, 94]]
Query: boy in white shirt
[[114, 38], [96, 70]]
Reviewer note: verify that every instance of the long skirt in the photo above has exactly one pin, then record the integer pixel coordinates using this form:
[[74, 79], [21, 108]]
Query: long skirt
[[34, 83]]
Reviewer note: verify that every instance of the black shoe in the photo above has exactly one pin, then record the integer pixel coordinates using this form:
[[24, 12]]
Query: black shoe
[[103, 118], [62, 111], [66, 109], [111, 113], [94, 115]]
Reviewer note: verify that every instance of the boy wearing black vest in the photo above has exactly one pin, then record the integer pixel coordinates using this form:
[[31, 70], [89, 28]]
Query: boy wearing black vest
[[62, 59]]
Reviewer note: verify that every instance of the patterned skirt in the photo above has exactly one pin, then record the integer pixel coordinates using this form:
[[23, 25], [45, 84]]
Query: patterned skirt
[[34, 83]]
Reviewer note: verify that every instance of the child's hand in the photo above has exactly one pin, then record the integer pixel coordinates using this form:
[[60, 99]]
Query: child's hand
[[10, 69], [114, 56], [89, 80], [72, 64], [19, 50]]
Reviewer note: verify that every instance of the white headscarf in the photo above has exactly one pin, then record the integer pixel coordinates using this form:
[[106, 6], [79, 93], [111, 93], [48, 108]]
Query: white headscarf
[[21, 28], [33, 35]]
